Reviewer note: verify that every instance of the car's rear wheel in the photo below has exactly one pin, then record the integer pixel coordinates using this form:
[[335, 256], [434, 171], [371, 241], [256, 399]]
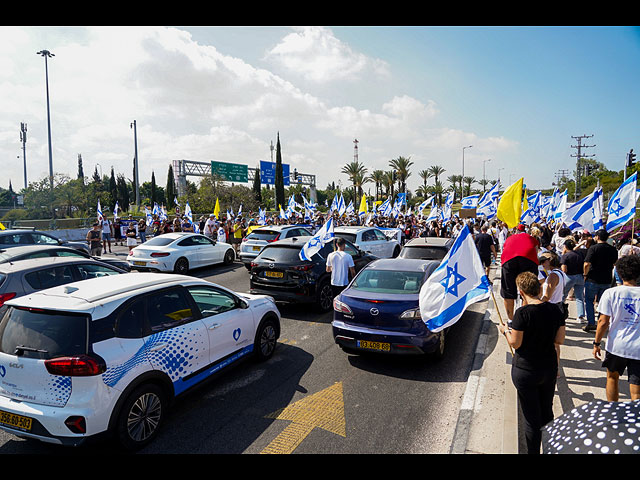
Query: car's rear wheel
[[142, 414], [229, 256], [181, 266], [324, 296]]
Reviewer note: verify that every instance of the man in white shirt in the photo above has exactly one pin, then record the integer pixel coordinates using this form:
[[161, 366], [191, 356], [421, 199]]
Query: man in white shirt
[[222, 236], [340, 264], [210, 227], [107, 231], [619, 309]]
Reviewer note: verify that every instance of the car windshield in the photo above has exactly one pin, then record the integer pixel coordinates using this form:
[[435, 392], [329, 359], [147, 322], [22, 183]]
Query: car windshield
[[347, 236], [159, 241], [263, 235], [279, 254], [388, 281], [423, 253], [35, 333]]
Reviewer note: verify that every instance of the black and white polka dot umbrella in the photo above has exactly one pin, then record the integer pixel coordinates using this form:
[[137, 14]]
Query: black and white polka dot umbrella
[[595, 427]]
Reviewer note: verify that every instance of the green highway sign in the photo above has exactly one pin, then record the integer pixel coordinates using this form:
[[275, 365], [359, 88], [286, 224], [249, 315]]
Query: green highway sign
[[231, 172]]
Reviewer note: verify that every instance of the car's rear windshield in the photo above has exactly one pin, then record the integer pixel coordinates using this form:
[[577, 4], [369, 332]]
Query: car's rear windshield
[[159, 241], [263, 235], [35, 333], [424, 253], [347, 236], [388, 281], [279, 254]]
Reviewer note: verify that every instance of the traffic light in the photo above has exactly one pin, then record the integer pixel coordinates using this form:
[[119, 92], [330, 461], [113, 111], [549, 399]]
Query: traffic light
[[631, 157], [295, 174]]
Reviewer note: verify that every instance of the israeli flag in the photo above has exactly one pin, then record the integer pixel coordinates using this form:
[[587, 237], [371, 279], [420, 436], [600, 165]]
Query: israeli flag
[[428, 202], [115, 209], [262, 220], [341, 206], [458, 282], [156, 209], [561, 206], [350, 210], [401, 199], [533, 213], [99, 211], [334, 204], [315, 243], [283, 216], [385, 208], [147, 214], [622, 204], [488, 205], [580, 215], [434, 214], [470, 202], [448, 204], [598, 210], [188, 214]]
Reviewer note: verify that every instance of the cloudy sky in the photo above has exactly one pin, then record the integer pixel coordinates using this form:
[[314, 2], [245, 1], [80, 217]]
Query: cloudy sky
[[517, 95]]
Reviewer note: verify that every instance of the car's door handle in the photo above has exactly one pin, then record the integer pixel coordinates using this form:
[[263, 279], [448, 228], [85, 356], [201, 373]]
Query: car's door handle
[[214, 326], [158, 346]]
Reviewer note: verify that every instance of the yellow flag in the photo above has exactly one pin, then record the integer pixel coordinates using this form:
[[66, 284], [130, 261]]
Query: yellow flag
[[216, 209], [525, 202], [510, 205], [2, 227], [363, 204]]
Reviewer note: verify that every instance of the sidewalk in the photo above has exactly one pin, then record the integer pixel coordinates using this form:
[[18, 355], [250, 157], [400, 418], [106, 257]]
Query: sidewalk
[[493, 427]]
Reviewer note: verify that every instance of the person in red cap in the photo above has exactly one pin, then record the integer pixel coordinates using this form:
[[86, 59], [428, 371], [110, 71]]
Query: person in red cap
[[519, 254]]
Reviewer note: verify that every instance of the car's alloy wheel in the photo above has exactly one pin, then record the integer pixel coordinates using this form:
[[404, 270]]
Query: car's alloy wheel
[[141, 416], [181, 267], [325, 297], [266, 340], [229, 257]]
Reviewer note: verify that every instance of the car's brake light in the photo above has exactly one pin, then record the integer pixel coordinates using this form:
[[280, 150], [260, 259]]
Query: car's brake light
[[339, 306], [302, 268], [276, 238], [77, 366], [6, 297], [160, 254]]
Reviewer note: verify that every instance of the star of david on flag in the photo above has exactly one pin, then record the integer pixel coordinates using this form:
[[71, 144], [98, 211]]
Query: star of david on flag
[[458, 282], [622, 204], [315, 243]]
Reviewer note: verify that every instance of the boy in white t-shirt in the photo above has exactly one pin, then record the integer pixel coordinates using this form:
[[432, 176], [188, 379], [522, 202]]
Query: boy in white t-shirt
[[340, 264], [619, 309]]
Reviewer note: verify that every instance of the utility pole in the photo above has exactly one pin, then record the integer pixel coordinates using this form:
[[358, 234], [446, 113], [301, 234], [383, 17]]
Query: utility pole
[[579, 155], [47, 54], [560, 174], [23, 139], [135, 142]]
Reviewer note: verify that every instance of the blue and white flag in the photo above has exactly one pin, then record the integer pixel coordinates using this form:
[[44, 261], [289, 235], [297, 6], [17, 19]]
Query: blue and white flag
[[115, 209], [622, 204], [262, 218], [401, 199], [458, 282], [385, 208], [434, 214], [533, 213], [147, 214], [315, 243], [470, 202], [448, 204], [580, 215], [487, 205], [428, 202], [598, 209], [341, 207], [350, 209], [188, 214], [99, 212]]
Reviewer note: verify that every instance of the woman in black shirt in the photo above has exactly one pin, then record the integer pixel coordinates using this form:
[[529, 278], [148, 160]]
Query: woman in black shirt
[[536, 329]]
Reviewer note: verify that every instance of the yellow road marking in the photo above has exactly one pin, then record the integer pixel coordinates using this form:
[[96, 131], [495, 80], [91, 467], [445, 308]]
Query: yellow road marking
[[324, 409]]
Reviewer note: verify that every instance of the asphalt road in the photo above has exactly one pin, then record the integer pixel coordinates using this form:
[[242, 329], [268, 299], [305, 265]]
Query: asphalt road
[[311, 397]]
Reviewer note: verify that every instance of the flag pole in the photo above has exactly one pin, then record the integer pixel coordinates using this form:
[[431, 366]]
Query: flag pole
[[500, 317]]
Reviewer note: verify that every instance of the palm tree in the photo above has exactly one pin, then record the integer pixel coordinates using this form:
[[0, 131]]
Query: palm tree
[[437, 189], [468, 182], [354, 170], [436, 171], [401, 166], [454, 180], [377, 177], [425, 175], [388, 182], [359, 179]]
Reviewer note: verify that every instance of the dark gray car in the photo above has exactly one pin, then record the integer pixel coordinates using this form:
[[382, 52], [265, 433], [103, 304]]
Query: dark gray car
[[27, 252], [28, 276], [20, 237]]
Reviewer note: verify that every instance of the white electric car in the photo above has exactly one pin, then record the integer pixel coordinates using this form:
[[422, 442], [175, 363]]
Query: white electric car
[[109, 355]]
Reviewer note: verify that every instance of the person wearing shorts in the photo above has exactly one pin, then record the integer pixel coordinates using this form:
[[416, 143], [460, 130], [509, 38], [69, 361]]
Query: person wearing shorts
[[519, 254], [619, 309]]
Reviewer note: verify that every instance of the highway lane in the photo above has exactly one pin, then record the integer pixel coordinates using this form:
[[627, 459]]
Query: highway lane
[[311, 397]]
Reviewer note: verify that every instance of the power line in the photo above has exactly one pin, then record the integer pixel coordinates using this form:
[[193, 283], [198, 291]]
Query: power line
[[578, 156]]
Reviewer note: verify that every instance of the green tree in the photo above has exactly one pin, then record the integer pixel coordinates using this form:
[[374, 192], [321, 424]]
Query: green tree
[[170, 190], [257, 190], [402, 167], [279, 180]]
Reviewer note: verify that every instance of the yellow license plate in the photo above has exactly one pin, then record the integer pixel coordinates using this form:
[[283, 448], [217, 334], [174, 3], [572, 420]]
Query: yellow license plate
[[142, 264], [15, 421], [274, 274], [385, 347], [255, 249]]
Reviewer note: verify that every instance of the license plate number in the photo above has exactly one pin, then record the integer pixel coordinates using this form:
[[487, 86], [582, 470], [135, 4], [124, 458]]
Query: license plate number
[[255, 249], [274, 274], [385, 347], [142, 264], [15, 421]]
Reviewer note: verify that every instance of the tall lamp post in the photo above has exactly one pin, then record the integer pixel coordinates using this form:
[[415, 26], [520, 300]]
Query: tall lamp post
[[135, 141], [23, 139], [46, 54], [462, 180], [484, 179]]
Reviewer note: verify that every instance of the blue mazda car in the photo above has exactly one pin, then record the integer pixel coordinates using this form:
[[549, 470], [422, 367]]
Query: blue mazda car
[[379, 310]]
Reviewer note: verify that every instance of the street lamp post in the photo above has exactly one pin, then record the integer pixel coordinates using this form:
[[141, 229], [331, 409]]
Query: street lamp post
[[135, 141], [462, 180], [484, 179], [46, 54], [23, 139]]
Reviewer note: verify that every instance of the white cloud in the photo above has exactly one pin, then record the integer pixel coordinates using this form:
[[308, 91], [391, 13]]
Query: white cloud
[[317, 55]]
